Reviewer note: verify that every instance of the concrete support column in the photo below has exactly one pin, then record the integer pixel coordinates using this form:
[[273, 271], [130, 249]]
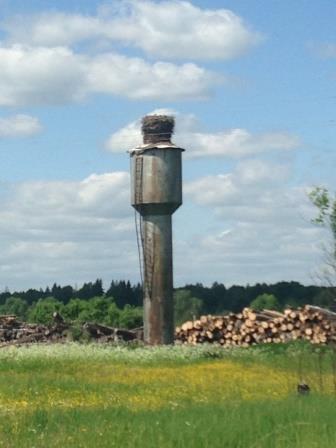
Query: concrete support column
[[158, 279]]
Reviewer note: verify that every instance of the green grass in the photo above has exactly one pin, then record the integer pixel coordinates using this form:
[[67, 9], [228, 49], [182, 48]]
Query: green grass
[[304, 423], [99, 396]]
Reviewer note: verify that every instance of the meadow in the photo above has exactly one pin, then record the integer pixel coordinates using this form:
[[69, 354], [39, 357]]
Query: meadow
[[74, 395]]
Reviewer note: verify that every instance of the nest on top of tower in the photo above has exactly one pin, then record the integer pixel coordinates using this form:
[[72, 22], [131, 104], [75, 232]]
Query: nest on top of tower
[[157, 127]]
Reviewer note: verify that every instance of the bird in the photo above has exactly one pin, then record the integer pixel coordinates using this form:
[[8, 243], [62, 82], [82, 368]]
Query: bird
[[58, 319], [303, 389]]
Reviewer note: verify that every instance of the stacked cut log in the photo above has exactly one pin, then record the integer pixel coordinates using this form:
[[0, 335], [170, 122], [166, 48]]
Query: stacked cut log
[[249, 327]]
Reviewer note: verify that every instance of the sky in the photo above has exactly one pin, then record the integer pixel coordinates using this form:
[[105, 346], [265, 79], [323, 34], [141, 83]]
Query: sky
[[251, 84]]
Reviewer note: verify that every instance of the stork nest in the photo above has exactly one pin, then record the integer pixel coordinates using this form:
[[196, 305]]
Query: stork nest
[[160, 126]]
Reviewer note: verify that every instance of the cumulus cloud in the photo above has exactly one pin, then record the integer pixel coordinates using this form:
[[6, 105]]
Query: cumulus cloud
[[249, 253], [37, 75], [40, 75], [137, 79], [169, 29], [39, 66], [106, 192], [246, 228], [257, 195], [67, 231], [236, 143], [19, 126], [39, 63], [251, 183], [260, 228]]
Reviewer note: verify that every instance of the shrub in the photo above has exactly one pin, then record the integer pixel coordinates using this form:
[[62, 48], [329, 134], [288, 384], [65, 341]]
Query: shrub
[[42, 311], [265, 301]]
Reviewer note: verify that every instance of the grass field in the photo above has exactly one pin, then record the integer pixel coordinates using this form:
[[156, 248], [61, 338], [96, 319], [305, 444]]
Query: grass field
[[95, 396]]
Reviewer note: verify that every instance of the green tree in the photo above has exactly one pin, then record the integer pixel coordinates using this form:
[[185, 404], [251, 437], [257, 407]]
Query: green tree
[[73, 308], [265, 301], [16, 306], [324, 298], [186, 307], [131, 317], [91, 290], [42, 311], [112, 317], [325, 203], [96, 310]]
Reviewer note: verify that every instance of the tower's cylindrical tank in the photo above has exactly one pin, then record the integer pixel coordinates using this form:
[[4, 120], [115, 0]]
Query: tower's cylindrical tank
[[156, 192], [156, 179]]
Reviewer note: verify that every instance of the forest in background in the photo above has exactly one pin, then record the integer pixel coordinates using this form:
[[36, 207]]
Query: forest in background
[[120, 305]]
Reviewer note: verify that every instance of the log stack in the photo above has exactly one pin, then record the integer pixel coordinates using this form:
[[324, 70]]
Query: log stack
[[249, 327]]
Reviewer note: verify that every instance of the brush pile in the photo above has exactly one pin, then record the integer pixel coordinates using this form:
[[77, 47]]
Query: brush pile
[[15, 332], [249, 327]]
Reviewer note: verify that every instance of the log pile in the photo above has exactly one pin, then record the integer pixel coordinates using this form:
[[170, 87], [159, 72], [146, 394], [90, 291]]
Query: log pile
[[103, 333], [249, 327], [15, 332]]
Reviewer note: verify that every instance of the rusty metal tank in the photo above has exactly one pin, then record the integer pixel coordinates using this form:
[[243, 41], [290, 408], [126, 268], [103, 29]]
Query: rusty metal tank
[[156, 178]]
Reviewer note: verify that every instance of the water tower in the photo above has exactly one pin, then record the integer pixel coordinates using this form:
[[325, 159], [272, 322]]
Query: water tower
[[156, 192]]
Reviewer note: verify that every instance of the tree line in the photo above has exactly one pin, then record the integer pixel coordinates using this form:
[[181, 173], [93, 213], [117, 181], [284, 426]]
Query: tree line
[[122, 291], [120, 305]]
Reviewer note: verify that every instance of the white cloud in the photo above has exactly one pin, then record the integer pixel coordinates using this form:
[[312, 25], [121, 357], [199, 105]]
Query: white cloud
[[53, 29], [106, 192], [251, 253], [248, 185], [264, 232], [39, 75], [19, 126], [253, 229], [137, 79], [67, 232], [169, 29], [236, 143]]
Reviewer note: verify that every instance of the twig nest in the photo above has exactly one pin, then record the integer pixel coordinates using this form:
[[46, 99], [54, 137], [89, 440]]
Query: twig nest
[[156, 128]]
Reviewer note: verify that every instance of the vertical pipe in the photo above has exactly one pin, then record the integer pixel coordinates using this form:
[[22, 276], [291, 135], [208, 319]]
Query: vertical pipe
[[158, 279]]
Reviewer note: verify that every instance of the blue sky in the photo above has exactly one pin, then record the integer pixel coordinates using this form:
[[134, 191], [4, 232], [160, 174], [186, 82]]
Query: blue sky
[[252, 86]]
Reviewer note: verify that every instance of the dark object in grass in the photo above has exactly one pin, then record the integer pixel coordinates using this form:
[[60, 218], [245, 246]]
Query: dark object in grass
[[303, 389]]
